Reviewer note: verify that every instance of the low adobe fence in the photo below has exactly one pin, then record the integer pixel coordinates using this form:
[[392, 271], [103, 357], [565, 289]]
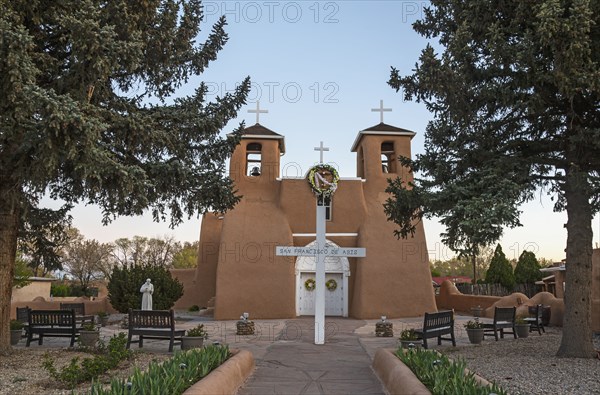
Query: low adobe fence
[[498, 290]]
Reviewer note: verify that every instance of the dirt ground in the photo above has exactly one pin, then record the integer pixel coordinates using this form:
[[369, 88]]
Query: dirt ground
[[22, 372]]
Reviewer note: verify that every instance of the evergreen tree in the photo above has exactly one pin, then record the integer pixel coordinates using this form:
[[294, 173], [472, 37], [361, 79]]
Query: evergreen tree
[[527, 270], [124, 287], [500, 271], [515, 93], [88, 113]]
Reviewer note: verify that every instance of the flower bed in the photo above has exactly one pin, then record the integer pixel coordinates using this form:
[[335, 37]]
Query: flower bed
[[173, 376], [427, 372]]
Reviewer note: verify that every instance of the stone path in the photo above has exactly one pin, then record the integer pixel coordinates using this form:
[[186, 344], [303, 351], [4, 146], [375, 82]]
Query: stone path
[[292, 364]]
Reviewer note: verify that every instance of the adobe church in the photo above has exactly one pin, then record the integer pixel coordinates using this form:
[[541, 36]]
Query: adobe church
[[239, 272]]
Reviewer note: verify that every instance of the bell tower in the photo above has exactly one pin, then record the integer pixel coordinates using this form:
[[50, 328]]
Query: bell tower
[[391, 264], [256, 160]]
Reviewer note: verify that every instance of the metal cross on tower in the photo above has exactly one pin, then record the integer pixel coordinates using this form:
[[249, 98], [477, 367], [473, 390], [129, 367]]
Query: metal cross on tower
[[321, 148], [258, 111], [381, 110]]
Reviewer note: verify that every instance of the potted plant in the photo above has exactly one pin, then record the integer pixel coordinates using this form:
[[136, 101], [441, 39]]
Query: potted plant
[[408, 337], [89, 334], [521, 327], [16, 331], [474, 331], [103, 318], [194, 338]]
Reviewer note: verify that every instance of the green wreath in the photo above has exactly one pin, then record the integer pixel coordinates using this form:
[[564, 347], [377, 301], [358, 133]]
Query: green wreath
[[319, 185], [310, 284], [331, 285]]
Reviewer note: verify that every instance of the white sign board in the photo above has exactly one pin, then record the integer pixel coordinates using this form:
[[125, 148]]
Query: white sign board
[[327, 251]]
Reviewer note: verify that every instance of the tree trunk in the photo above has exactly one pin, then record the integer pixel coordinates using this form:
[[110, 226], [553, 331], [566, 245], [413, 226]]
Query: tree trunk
[[474, 259], [577, 325], [9, 224]]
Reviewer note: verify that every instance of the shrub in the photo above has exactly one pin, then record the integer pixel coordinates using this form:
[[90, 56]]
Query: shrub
[[197, 332], [88, 326], [500, 271], [473, 324], [90, 368], [528, 268], [16, 325], [441, 375], [194, 308], [408, 334], [173, 376], [60, 290], [124, 287]]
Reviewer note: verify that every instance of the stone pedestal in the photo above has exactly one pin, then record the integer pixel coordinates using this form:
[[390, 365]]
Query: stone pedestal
[[384, 329], [245, 328]]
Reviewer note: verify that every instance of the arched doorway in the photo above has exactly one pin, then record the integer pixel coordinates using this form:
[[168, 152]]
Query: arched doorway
[[337, 269]]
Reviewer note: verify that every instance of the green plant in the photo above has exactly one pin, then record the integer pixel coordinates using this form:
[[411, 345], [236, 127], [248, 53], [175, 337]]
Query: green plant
[[194, 308], [520, 320], [473, 324], [173, 376], [500, 271], [75, 372], [443, 376], [408, 334], [102, 314], [60, 290], [527, 270], [88, 326], [198, 331], [124, 287], [16, 325]]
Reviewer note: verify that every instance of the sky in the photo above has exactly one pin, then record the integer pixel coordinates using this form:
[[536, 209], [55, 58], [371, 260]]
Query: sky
[[319, 67]]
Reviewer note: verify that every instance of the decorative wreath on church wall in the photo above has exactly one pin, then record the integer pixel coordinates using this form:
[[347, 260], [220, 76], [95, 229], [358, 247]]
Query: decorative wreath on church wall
[[331, 285], [310, 284], [323, 179]]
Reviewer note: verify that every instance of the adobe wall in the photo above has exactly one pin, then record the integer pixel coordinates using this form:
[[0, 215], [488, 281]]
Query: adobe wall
[[187, 277], [32, 290], [40, 303], [249, 277], [394, 271], [451, 298], [208, 256]]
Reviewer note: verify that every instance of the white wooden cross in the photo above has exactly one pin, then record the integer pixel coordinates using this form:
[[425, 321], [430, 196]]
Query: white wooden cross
[[321, 148], [258, 111], [320, 252], [381, 110]]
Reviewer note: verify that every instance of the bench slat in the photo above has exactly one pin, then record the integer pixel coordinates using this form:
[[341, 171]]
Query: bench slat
[[153, 324], [436, 325]]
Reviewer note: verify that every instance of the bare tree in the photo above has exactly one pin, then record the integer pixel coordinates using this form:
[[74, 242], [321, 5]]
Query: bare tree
[[140, 251], [86, 260]]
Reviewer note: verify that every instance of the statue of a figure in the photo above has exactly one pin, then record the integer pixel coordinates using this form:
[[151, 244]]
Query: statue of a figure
[[147, 289]]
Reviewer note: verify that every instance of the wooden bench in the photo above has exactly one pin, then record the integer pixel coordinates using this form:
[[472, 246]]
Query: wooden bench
[[80, 317], [51, 323], [436, 325], [153, 324], [78, 307], [504, 318]]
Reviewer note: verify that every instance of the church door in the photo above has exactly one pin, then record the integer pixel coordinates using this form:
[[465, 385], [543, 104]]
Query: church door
[[334, 299], [337, 271], [306, 297]]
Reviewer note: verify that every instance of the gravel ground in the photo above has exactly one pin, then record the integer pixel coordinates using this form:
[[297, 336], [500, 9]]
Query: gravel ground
[[521, 366], [22, 372], [530, 366]]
